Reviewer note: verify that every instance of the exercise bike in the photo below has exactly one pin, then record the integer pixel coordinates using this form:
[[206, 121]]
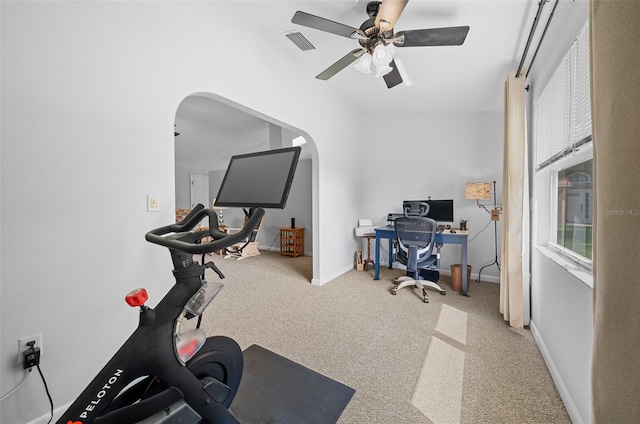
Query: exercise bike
[[162, 375]]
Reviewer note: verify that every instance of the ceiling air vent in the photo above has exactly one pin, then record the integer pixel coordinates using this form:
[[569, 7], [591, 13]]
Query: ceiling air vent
[[299, 40]]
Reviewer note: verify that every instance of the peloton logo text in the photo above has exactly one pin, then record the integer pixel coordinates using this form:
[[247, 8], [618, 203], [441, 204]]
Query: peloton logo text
[[98, 397]]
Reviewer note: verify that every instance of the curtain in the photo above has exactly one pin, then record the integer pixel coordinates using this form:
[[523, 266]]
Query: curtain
[[615, 106], [511, 305]]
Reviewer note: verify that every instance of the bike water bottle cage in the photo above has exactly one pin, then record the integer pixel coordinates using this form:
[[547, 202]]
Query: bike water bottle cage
[[199, 301]]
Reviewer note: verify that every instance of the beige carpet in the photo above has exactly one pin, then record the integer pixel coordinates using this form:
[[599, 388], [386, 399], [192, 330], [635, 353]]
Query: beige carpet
[[453, 360]]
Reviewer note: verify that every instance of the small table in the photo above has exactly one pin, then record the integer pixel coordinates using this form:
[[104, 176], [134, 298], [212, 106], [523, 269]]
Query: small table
[[292, 241], [368, 260]]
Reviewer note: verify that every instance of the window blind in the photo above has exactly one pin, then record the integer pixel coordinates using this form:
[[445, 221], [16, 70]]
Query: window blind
[[582, 89], [562, 111]]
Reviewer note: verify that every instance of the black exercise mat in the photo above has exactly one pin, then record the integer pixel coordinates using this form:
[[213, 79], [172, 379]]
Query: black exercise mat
[[277, 390]]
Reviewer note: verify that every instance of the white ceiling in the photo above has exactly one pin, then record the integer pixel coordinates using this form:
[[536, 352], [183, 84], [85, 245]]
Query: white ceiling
[[448, 78], [211, 132]]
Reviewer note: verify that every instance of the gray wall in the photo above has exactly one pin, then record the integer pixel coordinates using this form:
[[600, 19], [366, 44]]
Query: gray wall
[[298, 206]]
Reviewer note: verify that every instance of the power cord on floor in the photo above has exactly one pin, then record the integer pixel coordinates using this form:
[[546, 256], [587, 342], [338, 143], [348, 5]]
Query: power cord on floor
[[274, 240], [46, 389]]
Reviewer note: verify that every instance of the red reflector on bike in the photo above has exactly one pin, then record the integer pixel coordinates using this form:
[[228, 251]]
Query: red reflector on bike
[[136, 297], [188, 350], [187, 344]]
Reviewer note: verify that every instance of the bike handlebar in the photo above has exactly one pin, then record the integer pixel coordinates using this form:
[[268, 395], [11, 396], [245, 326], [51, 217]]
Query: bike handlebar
[[180, 232]]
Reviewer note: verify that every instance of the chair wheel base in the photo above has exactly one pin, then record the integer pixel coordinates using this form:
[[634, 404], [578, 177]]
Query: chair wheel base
[[405, 281]]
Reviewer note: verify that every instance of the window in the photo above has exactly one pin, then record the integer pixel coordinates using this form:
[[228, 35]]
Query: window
[[574, 213], [564, 156]]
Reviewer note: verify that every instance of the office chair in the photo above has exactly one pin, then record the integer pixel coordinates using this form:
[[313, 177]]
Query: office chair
[[416, 236]]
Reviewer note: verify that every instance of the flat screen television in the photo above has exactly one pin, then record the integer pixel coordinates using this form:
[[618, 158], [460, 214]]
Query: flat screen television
[[259, 180], [439, 210]]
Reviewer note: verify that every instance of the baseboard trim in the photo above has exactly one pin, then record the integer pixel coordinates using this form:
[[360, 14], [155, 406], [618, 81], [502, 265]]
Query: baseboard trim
[[277, 249], [566, 397], [322, 282], [57, 413], [443, 271]]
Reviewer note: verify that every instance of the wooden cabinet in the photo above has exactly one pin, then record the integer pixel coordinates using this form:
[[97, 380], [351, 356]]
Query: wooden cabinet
[[292, 241]]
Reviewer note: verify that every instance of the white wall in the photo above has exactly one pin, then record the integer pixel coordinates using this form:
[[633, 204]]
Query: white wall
[[562, 323], [435, 155], [89, 95], [561, 304]]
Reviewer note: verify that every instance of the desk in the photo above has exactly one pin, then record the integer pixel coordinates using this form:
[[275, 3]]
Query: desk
[[460, 237]]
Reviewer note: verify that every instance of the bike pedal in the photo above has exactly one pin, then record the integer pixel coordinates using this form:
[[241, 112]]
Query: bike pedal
[[217, 390]]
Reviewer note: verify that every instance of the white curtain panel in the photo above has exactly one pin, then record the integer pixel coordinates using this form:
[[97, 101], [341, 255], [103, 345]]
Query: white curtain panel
[[511, 273]]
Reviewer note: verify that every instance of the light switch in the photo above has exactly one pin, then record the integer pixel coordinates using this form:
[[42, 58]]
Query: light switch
[[152, 203]]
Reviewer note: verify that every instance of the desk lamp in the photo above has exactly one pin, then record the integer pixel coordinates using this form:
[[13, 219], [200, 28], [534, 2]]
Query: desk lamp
[[479, 191]]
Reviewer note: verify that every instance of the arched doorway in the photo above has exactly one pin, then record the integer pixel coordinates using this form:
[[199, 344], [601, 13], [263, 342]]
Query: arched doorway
[[210, 129]]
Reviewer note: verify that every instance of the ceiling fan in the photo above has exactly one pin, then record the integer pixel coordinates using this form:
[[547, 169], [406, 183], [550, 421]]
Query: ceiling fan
[[378, 40]]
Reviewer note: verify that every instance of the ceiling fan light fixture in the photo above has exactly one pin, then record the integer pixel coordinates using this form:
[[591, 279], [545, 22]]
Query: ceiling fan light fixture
[[383, 70], [382, 57], [382, 54], [364, 63]]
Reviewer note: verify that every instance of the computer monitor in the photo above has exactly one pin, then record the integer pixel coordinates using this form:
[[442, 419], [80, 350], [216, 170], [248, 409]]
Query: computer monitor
[[261, 179], [439, 210]]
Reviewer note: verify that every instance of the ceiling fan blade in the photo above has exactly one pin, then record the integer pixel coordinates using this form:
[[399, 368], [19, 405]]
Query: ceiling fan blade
[[345, 61], [322, 24], [450, 36], [406, 80], [393, 78], [389, 13]]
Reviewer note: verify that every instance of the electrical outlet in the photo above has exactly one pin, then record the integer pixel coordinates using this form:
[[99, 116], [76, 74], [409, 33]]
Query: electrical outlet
[[22, 344]]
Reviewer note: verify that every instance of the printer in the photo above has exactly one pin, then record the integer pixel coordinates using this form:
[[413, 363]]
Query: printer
[[365, 228]]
